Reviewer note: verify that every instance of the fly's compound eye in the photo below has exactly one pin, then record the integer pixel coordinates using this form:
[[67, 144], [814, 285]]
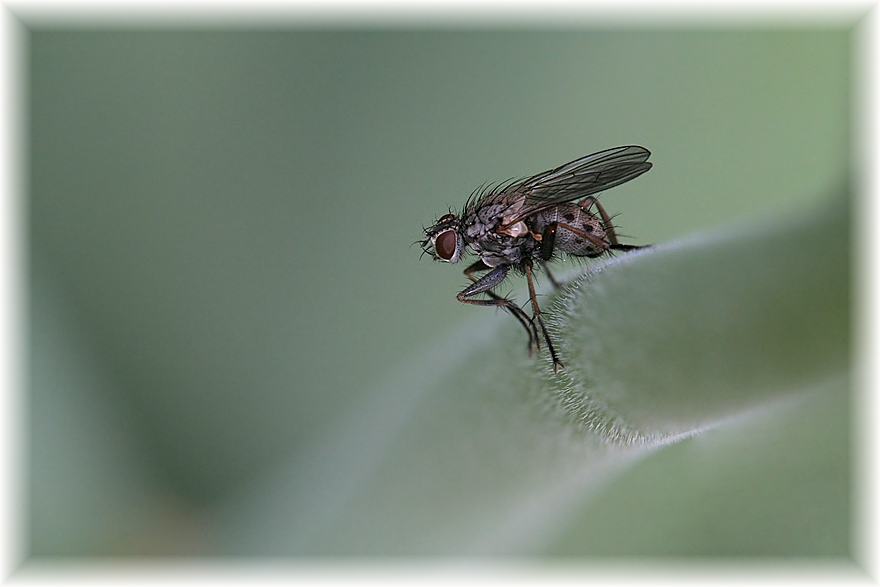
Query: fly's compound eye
[[445, 238], [445, 244]]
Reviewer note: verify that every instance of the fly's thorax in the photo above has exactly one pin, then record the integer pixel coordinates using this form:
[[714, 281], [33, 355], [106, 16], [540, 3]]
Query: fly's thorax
[[578, 218], [482, 220], [496, 247]]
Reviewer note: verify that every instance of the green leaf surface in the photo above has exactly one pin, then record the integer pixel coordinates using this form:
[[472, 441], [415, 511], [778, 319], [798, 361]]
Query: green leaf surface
[[676, 337], [702, 410]]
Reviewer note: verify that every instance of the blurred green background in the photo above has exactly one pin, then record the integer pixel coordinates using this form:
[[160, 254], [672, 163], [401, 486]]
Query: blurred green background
[[220, 223]]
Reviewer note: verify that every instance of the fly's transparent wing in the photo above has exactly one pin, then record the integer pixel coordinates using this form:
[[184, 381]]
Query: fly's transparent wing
[[581, 178]]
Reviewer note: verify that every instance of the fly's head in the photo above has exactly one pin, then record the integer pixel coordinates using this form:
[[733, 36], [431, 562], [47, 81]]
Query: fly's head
[[443, 241]]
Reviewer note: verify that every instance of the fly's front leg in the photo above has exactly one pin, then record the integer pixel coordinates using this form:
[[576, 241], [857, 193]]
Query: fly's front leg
[[537, 312], [515, 310], [485, 285]]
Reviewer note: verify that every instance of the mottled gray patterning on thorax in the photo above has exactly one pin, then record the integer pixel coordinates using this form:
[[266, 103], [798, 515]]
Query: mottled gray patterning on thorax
[[493, 247]]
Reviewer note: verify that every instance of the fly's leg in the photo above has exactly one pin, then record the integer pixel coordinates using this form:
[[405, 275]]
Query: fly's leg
[[552, 279], [557, 364], [484, 285], [548, 239], [606, 223], [606, 219], [515, 310]]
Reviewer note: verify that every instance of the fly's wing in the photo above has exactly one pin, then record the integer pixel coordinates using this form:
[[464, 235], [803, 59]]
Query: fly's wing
[[580, 178]]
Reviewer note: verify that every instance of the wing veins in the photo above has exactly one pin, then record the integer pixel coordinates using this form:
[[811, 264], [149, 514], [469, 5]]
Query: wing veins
[[580, 178]]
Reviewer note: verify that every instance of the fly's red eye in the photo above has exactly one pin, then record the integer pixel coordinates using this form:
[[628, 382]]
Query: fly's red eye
[[445, 244]]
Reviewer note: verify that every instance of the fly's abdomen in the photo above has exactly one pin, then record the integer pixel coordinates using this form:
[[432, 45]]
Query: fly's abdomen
[[572, 215]]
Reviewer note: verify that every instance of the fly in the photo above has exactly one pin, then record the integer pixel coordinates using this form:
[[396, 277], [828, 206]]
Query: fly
[[521, 223]]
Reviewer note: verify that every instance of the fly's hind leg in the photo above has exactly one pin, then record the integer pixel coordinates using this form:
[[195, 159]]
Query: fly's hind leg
[[552, 279], [589, 201], [485, 285], [548, 239]]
